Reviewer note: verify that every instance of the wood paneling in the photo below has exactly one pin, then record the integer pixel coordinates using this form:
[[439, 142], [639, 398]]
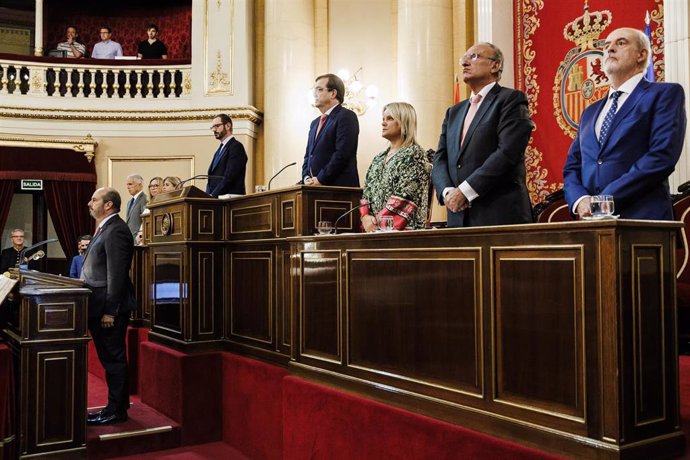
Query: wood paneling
[[558, 335]]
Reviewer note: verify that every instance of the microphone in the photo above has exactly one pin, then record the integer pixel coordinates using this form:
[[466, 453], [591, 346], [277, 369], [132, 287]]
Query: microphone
[[35, 256], [21, 254], [276, 174], [335, 227], [198, 176]]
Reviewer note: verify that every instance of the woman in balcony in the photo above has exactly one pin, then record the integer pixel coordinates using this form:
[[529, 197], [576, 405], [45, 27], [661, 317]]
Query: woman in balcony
[[397, 182]]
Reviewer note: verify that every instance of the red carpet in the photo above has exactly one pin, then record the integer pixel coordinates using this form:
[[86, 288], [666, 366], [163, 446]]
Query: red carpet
[[267, 414], [321, 423]]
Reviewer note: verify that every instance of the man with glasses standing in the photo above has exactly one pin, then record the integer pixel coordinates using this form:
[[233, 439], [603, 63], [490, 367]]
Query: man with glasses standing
[[106, 48], [331, 156], [229, 164], [479, 168]]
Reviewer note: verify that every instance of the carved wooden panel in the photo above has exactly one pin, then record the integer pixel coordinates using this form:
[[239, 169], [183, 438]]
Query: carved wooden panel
[[251, 219], [320, 308], [209, 295], [417, 316], [287, 215], [251, 298], [56, 316], [537, 368]]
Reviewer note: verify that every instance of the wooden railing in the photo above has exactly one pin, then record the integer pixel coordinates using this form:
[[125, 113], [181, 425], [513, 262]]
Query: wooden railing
[[94, 78]]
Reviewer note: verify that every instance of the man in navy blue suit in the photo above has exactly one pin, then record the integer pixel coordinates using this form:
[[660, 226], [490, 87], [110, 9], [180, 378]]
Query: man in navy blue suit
[[229, 163], [331, 156], [629, 142]]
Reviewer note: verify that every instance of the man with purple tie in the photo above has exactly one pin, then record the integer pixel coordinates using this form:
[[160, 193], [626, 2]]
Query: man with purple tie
[[629, 142]]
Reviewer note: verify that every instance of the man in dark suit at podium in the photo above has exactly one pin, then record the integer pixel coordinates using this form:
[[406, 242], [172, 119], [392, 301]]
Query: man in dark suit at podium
[[229, 163], [106, 272], [331, 156]]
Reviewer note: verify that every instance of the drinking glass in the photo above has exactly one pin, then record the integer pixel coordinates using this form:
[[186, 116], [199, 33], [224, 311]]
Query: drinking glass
[[260, 188], [386, 223], [324, 227], [602, 206]]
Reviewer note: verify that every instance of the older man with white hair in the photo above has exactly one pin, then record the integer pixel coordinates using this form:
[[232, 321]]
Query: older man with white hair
[[629, 142], [136, 204]]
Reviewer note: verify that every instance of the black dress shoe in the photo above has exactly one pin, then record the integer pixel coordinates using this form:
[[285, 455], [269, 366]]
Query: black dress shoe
[[108, 419], [94, 415]]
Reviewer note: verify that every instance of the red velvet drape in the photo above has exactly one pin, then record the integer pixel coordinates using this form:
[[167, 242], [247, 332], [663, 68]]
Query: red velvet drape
[[6, 193], [67, 205]]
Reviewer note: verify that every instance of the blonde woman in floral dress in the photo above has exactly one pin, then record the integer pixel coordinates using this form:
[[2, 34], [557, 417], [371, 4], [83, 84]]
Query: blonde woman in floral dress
[[398, 175]]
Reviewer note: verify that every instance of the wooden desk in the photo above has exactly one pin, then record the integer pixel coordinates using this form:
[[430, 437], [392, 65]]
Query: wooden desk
[[47, 333], [562, 336]]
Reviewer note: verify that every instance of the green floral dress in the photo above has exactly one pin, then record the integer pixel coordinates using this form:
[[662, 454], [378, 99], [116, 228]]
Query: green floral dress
[[405, 175]]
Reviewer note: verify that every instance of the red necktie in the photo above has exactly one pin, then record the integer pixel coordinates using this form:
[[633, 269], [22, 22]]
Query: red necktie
[[474, 104], [322, 122]]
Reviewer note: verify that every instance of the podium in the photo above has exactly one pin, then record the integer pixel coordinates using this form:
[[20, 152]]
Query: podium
[[258, 283], [47, 333], [218, 271], [185, 268]]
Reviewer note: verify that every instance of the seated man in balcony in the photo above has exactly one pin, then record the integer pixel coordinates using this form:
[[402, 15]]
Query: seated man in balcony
[[71, 47], [106, 48], [152, 48]]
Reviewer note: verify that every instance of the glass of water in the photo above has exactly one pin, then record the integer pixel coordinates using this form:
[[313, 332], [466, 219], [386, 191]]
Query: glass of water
[[602, 206], [324, 227], [386, 223]]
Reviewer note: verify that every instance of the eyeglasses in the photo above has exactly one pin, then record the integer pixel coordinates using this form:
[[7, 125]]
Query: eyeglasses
[[474, 57], [217, 125], [17, 236]]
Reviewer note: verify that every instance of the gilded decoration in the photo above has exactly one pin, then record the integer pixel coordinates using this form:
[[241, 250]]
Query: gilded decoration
[[86, 145], [238, 113], [580, 79], [220, 83], [187, 83], [657, 17], [538, 185]]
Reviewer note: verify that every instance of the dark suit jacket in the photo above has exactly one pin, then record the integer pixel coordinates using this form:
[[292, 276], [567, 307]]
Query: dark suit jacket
[[642, 148], [134, 216], [106, 270], [491, 159], [332, 157], [232, 167]]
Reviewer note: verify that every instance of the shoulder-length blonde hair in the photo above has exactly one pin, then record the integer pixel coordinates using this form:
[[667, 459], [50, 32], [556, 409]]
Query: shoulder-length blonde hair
[[405, 114]]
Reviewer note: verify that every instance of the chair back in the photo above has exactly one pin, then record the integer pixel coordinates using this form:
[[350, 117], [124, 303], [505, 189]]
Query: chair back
[[554, 208]]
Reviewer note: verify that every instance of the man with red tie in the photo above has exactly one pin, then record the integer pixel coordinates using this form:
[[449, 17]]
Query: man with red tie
[[479, 167], [629, 142], [331, 156]]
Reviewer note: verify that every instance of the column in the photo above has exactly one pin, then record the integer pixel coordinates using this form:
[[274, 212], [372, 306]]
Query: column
[[425, 67], [38, 32], [495, 26], [289, 74], [676, 52]]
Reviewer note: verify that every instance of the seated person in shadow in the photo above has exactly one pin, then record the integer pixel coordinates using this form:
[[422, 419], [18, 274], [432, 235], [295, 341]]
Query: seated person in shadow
[[397, 181], [170, 184]]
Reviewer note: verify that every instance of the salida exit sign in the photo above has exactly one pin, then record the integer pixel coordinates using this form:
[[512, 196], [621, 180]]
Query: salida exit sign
[[32, 184]]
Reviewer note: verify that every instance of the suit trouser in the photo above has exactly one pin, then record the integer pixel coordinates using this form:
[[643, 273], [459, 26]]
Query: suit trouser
[[112, 353]]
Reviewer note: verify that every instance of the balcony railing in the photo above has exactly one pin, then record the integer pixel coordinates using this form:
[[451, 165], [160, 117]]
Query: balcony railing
[[94, 78]]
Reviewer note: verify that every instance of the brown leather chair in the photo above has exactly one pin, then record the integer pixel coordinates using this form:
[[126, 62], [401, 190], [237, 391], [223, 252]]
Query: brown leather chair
[[554, 208]]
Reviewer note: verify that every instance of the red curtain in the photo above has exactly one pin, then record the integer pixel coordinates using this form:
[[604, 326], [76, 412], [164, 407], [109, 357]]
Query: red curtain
[[67, 205], [6, 193]]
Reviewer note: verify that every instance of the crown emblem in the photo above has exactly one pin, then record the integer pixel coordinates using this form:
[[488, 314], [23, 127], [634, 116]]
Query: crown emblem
[[585, 29]]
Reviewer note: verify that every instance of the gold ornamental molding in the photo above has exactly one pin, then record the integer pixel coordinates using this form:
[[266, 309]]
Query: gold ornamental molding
[[250, 113], [86, 145]]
